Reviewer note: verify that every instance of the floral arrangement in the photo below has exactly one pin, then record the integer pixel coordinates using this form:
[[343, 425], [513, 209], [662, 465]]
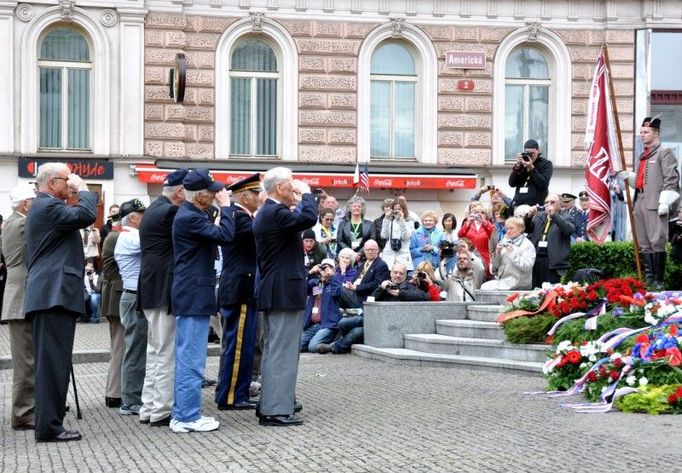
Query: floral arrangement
[[654, 400], [606, 374], [659, 309], [530, 301], [573, 298], [619, 291], [568, 363]]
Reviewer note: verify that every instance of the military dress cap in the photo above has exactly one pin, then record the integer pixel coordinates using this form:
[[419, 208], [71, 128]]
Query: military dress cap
[[130, 206], [251, 183], [652, 122], [200, 179], [583, 195], [22, 192], [565, 197], [531, 144], [175, 178]]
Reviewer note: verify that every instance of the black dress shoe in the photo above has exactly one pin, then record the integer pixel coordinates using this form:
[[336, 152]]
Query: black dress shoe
[[66, 436], [160, 423], [298, 407], [112, 401], [238, 406], [144, 421], [280, 421], [208, 382], [27, 426]]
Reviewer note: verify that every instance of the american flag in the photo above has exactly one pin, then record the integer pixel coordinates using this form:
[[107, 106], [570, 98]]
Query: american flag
[[361, 177]]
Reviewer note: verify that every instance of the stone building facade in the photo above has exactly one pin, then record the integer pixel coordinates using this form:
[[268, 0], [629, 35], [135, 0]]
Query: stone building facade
[[325, 113]]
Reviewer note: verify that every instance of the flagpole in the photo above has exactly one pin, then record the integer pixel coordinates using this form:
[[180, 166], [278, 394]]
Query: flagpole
[[612, 93]]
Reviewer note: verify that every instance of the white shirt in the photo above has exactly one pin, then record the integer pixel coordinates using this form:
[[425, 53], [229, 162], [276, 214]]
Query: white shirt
[[128, 256]]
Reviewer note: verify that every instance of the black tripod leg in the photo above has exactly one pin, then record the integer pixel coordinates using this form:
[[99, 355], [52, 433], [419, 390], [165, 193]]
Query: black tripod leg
[[79, 415]]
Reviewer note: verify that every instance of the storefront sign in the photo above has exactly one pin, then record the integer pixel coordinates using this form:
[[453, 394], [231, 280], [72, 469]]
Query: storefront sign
[[85, 168], [465, 59], [153, 175]]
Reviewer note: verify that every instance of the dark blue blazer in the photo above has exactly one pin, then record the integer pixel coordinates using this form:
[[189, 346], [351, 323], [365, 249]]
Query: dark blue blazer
[[194, 248], [375, 275], [54, 252], [156, 243], [239, 262], [279, 245]]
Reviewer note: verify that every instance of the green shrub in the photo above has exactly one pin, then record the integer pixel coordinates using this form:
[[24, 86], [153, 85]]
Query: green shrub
[[529, 329], [574, 330]]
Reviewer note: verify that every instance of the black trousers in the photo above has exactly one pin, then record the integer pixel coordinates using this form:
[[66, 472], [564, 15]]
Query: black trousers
[[542, 273], [348, 299], [53, 333]]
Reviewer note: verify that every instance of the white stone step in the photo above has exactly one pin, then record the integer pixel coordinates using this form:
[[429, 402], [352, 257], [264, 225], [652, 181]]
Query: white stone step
[[476, 347], [409, 357], [494, 297], [470, 329], [484, 313]]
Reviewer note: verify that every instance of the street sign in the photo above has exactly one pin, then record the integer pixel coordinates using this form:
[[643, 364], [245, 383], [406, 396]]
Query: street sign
[[466, 84], [465, 59]]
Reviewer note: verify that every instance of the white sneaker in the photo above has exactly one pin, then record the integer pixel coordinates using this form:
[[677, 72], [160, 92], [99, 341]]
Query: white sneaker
[[202, 424]]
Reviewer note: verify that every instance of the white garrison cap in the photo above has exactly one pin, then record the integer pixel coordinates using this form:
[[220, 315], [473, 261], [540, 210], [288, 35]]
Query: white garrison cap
[[22, 192]]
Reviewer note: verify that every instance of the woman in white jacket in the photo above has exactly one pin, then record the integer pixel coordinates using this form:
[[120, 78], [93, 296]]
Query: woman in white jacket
[[513, 260], [397, 229]]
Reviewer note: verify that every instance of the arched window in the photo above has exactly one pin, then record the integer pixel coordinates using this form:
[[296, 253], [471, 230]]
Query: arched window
[[254, 80], [527, 99], [65, 66], [393, 108]]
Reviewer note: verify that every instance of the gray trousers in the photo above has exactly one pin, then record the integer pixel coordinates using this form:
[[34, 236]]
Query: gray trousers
[[279, 366], [113, 389], [23, 386], [652, 229], [135, 351]]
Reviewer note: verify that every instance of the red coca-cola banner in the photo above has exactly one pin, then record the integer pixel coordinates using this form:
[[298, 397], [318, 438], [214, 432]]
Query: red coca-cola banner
[[153, 175]]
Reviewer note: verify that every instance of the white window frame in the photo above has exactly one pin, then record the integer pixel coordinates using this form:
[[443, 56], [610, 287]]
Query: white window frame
[[284, 48], [559, 62], [426, 97], [64, 66], [392, 79], [254, 76], [100, 59]]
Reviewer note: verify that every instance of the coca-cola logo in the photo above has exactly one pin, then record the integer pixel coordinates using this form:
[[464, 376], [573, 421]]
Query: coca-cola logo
[[459, 183], [311, 181], [383, 182], [157, 178]]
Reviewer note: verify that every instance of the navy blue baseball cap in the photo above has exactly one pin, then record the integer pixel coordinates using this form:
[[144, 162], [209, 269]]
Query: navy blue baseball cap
[[200, 179], [175, 178]]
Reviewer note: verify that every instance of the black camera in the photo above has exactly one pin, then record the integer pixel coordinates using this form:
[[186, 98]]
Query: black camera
[[88, 272], [421, 275], [394, 213], [392, 286], [526, 156], [447, 248]]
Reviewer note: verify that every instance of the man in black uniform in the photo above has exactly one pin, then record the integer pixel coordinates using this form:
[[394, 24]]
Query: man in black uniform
[[236, 300], [530, 176]]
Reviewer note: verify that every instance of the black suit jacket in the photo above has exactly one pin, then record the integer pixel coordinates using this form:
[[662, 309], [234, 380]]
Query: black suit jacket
[[156, 267], [239, 262], [376, 273], [54, 252], [279, 245]]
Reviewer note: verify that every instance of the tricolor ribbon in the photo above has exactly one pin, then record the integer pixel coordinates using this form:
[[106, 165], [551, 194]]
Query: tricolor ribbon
[[548, 302]]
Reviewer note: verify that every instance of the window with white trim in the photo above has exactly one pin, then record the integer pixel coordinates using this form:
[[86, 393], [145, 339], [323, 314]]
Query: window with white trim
[[64, 68], [527, 99], [254, 99], [393, 102]]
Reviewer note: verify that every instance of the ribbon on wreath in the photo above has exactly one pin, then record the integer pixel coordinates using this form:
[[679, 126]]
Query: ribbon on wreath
[[591, 315], [547, 303]]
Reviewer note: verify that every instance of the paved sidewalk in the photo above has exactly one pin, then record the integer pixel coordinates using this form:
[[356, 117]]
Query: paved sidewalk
[[361, 416]]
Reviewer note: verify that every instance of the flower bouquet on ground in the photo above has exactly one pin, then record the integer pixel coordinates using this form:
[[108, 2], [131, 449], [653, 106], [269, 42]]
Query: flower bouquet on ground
[[569, 362]]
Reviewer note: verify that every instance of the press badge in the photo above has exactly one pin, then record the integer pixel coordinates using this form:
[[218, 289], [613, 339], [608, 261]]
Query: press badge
[[542, 244], [315, 310], [523, 190]]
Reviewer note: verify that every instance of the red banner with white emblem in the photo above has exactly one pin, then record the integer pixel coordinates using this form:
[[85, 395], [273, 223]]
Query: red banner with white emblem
[[602, 157]]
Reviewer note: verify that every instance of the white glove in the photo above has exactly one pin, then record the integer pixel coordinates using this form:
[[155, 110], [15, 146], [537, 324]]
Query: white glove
[[663, 209]]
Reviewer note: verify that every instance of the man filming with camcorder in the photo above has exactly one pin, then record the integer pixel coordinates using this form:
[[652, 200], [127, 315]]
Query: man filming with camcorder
[[530, 175]]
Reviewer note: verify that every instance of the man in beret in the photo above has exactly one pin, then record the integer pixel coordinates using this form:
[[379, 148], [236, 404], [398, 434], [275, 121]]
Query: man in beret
[[54, 289], [656, 183], [237, 301], [156, 275], [20, 338], [193, 293], [127, 254], [530, 176]]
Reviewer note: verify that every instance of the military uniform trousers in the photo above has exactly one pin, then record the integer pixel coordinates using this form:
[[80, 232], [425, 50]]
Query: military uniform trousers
[[237, 352], [652, 229], [157, 392], [113, 389], [23, 387], [53, 334]]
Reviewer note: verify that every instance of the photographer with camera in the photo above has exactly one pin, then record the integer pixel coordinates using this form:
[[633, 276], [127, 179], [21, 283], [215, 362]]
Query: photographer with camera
[[466, 277], [397, 288], [92, 294], [513, 259], [397, 229], [425, 278], [478, 228], [530, 175]]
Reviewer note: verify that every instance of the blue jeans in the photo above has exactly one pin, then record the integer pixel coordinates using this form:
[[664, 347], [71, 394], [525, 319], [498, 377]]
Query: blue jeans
[[324, 335], [308, 335], [352, 331], [191, 347], [93, 303], [134, 351]]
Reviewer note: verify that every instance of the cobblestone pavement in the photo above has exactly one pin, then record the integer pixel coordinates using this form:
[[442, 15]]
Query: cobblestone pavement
[[361, 416]]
